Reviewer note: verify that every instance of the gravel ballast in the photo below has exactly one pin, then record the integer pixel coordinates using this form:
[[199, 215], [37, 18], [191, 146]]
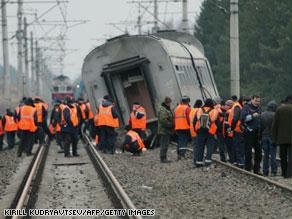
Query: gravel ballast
[[177, 190], [8, 165]]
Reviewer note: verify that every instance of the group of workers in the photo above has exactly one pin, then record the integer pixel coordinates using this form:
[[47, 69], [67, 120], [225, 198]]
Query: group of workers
[[233, 126], [27, 122]]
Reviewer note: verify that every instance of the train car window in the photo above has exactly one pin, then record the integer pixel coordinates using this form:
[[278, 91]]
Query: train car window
[[176, 67], [69, 88], [56, 89]]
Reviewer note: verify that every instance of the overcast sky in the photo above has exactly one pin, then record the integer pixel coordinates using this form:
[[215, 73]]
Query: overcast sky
[[81, 39]]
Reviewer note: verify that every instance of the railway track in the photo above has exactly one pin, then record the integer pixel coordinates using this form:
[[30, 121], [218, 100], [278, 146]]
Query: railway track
[[268, 180], [38, 188]]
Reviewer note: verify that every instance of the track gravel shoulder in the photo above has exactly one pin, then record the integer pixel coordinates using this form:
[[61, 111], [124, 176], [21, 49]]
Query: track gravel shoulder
[[8, 165], [177, 190]]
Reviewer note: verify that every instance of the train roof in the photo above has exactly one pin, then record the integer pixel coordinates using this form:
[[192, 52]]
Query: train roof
[[174, 43]]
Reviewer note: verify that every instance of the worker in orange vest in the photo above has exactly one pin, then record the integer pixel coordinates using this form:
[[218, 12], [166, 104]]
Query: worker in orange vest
[[138, 119], [206, 128], [17, 110], [90, 119], [96, 130], [84, 114], [107, 122], [42, 119], [182, 125], [10, 128], [235, 132], [227, 139], [27, 125], [1, 132], [69, 127], [219, 140], [198, 104], [133, 142], [54, 123]]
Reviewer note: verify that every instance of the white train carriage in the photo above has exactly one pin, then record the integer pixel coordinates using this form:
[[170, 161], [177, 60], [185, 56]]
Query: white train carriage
[[146, 69]]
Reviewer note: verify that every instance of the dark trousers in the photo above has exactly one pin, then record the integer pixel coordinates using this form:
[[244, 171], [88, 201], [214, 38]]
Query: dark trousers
[[269, 151], [182, 141], [10, 139], [26, 142], [204, 138], [107, 139], [221, 145], [59, 140], [69, 139], [238, 149], [40, 135], [1, 142], [164, 142], [285, 155], [195, 148], [228, 142], [91, 128], [252, 141]]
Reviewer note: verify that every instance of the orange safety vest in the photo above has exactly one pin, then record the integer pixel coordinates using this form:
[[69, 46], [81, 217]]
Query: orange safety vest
[[213, 116], [135, 137], [180, 119], [230, 118], [51, 129], [39, 108], [96, 120], [10, 124], [105, 117], [192, 116], [1, 127], [26, 121], [83, 108], [138, 123], [73, 115], [90, 113]]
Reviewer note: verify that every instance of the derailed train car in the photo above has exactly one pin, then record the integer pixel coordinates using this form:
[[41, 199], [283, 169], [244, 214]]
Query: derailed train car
[[145, 69]]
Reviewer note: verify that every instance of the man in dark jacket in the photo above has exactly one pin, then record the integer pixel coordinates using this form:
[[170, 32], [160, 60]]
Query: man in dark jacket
[[250, 117], [269, 148], [165, 128], [281, 135]]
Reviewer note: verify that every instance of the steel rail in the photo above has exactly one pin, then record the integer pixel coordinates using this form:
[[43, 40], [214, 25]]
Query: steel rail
[[116, 186], [268, 180], [32, 172]]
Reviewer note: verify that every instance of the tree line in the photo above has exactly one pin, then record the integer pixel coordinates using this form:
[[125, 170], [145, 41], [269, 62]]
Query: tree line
[[265, 45]]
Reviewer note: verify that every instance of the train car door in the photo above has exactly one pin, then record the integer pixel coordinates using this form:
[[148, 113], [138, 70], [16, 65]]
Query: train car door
[[136, 91]]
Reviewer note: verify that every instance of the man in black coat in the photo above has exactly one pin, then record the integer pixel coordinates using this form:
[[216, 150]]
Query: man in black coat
[[281, 135], [250, 117]]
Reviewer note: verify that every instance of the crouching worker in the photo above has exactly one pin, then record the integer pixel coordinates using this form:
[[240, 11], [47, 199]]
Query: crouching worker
[[133, 142]]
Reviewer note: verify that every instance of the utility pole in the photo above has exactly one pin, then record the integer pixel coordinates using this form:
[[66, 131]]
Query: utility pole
[[37, 68], [19, 36], [185, 21], [6, 76], [32, 65], [155, 28], [234, 49], [139, 24], [26, 70]]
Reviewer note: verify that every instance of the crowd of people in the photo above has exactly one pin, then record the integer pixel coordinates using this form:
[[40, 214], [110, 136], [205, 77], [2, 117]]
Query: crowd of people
[[233, 126], [236, 128]]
